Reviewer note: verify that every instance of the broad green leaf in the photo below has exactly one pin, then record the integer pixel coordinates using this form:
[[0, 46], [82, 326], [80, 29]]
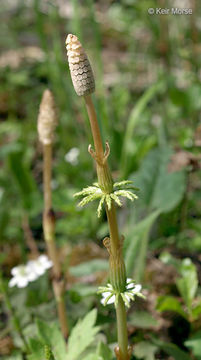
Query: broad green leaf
[[170, 303], [145, 350], [35, 345], [50, 335], [172, 350], [83, 334], [159, 188], [89, 267], [136, 243], [104, 351], [188, 283], [142, 319], [194, 343]]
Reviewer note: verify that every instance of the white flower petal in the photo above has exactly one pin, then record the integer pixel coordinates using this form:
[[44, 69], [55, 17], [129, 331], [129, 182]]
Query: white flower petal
[[128, 280], [12, 282], [15, 270], [105, 294], [130, 286], [127, 297], [137, 289], [32, 276], [43, 259], [111, 300], [22, 282]]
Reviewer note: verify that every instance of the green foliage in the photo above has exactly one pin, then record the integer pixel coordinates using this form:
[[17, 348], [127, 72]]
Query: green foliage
[[194, 343], [104, 352], [133, 120], [172, 350], [49, 334], [22, 177], [50, 342], [89, 267], [145, 350], [170, 303], [143, 319], [83, 334], [136, 243], [188, 283], [160, 189]]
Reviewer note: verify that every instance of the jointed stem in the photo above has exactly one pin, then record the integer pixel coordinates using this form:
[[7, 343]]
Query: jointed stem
[[117, 267], [49, 235], [122, 330], [94, 127], [47, 175]]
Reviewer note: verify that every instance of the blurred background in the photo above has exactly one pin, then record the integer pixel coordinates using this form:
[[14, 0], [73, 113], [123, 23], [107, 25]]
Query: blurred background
[[148, 100]]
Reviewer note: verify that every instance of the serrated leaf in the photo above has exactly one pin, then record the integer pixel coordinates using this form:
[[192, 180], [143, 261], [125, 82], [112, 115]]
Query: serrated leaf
[[82, 335], [51, 335]]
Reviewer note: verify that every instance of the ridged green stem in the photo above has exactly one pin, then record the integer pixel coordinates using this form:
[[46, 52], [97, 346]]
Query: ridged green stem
[[117, 266]]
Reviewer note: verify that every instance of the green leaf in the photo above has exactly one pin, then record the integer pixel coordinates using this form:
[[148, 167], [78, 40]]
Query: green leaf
[[89, 267], [82, 335], [136, 243], [38, 354], [133, 120], [170, 303], [22, 177], [50, 334], [15, 356], [104, 351], [188, 283], [196, 311], [159, 188], [93, 357], [145, 350], [172, 350], [143, 320], [194, 343]]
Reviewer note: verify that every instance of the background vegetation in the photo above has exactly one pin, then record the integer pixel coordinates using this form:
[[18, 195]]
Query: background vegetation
[[148, 99]]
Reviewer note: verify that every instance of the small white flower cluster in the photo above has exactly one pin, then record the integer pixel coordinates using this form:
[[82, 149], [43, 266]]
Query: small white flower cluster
[[23, 274], [72, 156], [110, 295]]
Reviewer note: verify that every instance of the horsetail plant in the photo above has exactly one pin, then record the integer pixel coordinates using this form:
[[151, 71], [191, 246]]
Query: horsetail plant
[[120, 290], [47, 122]]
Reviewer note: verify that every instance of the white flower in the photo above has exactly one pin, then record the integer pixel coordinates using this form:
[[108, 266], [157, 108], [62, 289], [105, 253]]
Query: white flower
[[23, 274], [72, 156], [110, 295], [40, 265]]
